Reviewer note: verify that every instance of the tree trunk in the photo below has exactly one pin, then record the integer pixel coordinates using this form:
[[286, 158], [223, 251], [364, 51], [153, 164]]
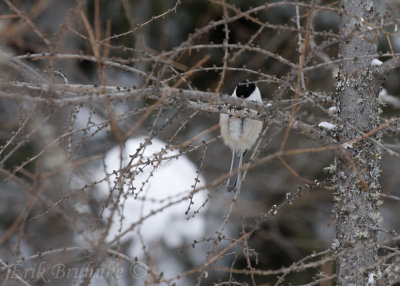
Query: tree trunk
[[358, 168]]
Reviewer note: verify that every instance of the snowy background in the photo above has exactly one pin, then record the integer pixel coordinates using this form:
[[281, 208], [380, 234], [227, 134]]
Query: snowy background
[[85, 187]]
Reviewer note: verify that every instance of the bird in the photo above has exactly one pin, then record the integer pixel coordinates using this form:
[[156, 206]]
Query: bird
[[238, 133]]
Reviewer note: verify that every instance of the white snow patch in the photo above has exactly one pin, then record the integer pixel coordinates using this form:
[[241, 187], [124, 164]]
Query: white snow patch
[[167, 182], [327, 125], [376, 62], [332, 109], [82, 208], [85, 118], [383, 92], [389, 99], [371, 279], [347, 145], [268, 105]]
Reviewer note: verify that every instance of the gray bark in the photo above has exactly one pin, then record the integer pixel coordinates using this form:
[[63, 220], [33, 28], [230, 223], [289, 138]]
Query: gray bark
[[357, 197]]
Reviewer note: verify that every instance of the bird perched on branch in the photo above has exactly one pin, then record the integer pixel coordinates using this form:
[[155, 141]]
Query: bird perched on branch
[[240, 134]]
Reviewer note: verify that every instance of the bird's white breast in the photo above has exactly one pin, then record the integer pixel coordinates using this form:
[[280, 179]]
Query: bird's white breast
[[238, 134], [241, 134]]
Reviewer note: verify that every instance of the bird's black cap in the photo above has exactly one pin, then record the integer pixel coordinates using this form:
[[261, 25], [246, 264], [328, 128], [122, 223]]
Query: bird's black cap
[[245, 88]]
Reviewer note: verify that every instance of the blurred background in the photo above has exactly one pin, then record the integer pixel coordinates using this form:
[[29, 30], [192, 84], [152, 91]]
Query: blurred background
[[67, 197]]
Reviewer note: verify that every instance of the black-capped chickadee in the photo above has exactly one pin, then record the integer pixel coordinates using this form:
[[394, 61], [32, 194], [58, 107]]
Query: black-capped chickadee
[[240, 133]]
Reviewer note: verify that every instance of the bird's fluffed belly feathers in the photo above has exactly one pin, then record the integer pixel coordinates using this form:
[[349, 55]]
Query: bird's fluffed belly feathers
[[239, 134]]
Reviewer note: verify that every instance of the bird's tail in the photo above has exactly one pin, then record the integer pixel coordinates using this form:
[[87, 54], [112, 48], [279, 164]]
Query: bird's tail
[[234, 180]]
